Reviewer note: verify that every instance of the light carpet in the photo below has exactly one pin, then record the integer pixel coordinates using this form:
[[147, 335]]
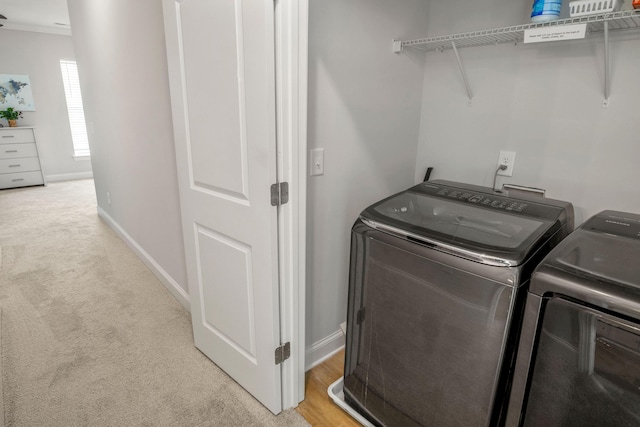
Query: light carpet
[[90, 337]]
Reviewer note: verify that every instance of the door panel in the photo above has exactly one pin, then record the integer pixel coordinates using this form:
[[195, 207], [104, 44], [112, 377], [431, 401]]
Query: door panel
[[215, 88], [225, 276], [223, 98]]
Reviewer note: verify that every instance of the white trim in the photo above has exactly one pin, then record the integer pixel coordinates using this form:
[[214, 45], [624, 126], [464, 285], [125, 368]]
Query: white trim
[[172, 286], [69, 176], [302, 94], [83, 157], [291, 95], [57, 30], [322, 350]]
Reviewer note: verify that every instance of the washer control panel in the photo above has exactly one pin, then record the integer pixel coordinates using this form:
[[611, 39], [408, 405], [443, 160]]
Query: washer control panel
[[486, 200], [483, 199]]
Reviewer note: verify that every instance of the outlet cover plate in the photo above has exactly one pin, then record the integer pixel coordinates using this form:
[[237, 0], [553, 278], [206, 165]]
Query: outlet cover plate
[[507, 158]]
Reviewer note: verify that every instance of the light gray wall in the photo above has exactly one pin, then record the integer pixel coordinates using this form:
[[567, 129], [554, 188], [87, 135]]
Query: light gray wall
[[364, 110], [123, 72], [543, 101], [38, 55]]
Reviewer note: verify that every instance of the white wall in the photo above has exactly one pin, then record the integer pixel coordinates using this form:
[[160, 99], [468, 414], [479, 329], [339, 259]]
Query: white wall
[[38, 55], [364, 110], [542, 101], [123, 72]]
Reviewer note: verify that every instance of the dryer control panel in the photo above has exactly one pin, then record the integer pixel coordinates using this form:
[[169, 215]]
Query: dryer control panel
[[617, 223]]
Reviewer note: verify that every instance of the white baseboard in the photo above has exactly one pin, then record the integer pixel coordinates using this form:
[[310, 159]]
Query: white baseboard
[[69, 176], [321, 350], [172, 286]]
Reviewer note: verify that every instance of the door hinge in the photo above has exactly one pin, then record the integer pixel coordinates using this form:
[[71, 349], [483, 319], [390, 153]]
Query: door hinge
[[279, 193], [283, 352]]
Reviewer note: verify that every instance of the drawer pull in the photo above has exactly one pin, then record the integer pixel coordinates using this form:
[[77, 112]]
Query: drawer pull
[[8, 136], [14, 166], [11, 151], [17, 179]]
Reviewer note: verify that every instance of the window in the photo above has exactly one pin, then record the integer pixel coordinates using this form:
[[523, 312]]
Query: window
[[75, 109]]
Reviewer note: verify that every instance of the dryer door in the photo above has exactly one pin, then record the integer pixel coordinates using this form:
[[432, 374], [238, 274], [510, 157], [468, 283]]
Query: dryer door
[[586, 371]]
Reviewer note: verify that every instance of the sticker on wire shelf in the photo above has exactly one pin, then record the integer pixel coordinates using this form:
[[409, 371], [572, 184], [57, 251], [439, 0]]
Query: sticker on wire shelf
[[555, 33]]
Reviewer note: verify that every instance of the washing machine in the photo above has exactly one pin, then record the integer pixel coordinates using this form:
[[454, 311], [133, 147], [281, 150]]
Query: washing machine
[[437, 274], [578, 361]]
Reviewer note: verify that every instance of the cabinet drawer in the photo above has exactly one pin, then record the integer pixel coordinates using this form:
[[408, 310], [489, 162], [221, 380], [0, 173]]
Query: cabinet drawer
[[13, 151], [16, 136], [19, 165], [23, 179]]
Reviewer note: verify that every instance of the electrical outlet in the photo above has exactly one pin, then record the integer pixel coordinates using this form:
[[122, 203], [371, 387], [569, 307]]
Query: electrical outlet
[[108, 198], [506, 158]]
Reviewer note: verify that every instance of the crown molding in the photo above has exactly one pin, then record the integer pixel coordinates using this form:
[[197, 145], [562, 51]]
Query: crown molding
[[61, 31]]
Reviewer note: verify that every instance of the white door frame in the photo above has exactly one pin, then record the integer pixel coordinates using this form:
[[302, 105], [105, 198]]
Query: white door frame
[[291, 94], [292, 29]]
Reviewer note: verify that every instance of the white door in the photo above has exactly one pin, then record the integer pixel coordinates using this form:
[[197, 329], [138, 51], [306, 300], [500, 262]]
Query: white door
[[223, 96]]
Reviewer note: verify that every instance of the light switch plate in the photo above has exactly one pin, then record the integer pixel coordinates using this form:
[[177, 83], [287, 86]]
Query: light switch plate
[[316, 162]]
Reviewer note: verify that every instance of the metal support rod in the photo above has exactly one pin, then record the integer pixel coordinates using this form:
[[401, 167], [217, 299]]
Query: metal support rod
[[606, 63], [464, 74]]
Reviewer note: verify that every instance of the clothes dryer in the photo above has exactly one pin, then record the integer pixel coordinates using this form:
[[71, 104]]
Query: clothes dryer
[[578, 360]]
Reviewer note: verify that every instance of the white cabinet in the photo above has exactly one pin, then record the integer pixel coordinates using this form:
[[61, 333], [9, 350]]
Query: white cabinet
[[19, 161]]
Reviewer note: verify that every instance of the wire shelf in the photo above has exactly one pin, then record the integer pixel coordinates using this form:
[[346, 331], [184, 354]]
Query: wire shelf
[[625, 20]]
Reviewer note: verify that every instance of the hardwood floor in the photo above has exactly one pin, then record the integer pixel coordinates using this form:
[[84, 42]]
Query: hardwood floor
[[318, 408]]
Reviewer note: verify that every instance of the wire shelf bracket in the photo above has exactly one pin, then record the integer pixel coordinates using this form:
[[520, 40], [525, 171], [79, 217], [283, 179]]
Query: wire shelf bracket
[[607, 83], [463, 72]]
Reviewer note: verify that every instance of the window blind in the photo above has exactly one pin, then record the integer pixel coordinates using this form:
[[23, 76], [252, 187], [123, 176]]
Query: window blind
[[74, 108]]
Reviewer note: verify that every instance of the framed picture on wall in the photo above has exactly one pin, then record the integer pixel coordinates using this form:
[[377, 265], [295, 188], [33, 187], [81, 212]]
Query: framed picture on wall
[[15, 91]]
